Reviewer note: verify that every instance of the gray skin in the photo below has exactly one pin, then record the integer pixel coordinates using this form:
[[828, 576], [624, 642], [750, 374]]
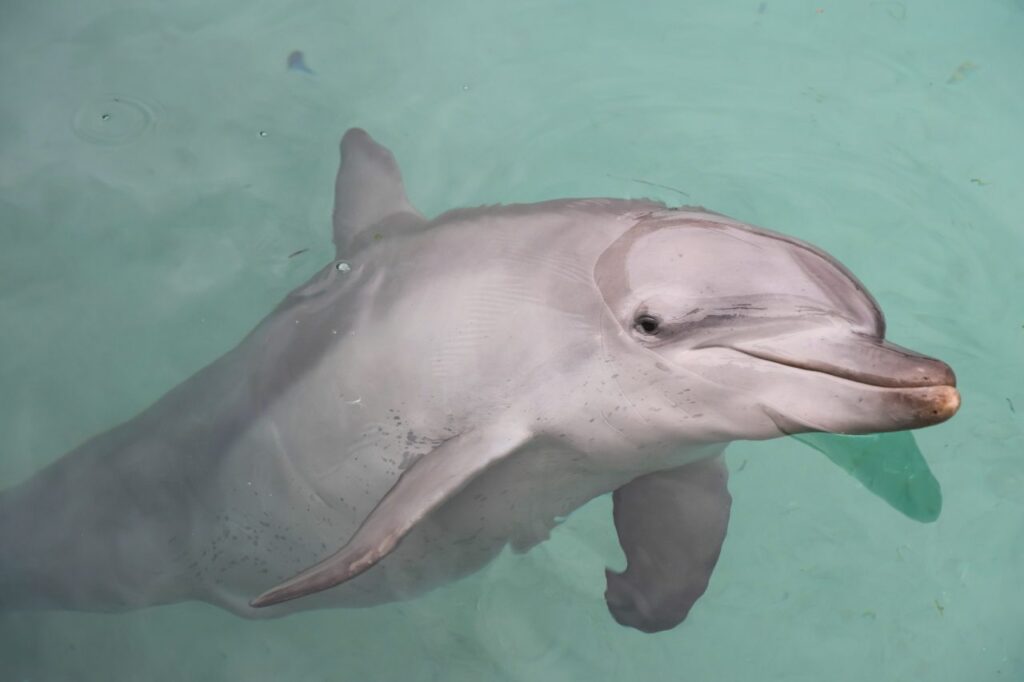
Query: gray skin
[[449, 387]]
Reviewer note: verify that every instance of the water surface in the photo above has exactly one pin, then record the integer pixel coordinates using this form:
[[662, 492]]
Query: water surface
[[166, 177]]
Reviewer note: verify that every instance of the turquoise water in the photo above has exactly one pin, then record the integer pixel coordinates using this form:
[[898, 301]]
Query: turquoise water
[[160, 163]]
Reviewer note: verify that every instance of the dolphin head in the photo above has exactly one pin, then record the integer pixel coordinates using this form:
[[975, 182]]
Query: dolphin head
[[774, 335]]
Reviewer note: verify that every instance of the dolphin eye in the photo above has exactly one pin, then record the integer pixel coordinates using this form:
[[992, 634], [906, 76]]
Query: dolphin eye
[[647, 324]]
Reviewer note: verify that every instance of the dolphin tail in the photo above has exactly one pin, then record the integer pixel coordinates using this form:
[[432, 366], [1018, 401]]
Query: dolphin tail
[[70, 539], [22, 586]]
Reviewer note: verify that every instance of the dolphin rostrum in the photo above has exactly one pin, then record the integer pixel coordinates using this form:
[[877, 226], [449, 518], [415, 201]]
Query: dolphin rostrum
[[448, 387]]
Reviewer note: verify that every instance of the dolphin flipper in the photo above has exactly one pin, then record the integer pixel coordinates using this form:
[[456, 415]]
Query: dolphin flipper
[[368, 192], [435, 478], [671, 526]]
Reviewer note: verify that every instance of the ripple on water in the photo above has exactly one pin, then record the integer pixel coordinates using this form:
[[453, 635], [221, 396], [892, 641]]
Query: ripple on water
[[112, 119]]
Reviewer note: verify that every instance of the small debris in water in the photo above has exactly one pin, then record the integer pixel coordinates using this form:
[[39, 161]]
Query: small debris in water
[[112, 120], [979, 181], [650, 184], [263, 133], [297, 253], [819, 97], [297, 62], [896, 10], [1012, 408], [960, 72], [939, 607]]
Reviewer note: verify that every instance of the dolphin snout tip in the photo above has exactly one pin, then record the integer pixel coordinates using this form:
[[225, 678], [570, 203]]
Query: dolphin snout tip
[[915, 408], [947, 401], [938, 404]]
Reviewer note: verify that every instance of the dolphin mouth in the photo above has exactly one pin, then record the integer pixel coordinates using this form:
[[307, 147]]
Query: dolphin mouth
[[857, 357], [917, 390], [914, 390]]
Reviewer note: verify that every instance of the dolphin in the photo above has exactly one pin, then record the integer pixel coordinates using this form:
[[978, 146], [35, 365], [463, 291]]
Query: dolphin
[[446, 388]]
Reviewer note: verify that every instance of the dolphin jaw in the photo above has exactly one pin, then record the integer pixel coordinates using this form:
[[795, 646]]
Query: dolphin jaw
[[920, 392], [933, 374], [927, 406]]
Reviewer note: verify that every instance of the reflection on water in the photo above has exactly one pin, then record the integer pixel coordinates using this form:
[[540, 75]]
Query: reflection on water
[[888, 464]]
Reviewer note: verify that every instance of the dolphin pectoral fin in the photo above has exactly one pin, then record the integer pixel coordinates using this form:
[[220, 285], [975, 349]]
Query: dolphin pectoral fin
[[433, 479], [367, 192], [671, 526], [890, 465]]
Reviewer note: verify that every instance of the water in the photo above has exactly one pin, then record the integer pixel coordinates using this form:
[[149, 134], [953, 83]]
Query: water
[[162, 164]]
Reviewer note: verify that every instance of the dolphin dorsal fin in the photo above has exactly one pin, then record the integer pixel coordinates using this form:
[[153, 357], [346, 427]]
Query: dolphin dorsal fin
[[367, 192]]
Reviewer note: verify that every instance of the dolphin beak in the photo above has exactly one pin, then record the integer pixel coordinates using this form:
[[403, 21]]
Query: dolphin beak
[[853, 356], [923, 389]]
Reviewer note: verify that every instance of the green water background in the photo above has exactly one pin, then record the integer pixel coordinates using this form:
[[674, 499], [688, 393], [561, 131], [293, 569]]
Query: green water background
[[159, 164]]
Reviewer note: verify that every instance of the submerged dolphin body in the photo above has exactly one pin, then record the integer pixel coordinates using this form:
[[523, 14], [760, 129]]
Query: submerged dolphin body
[[449, 387]]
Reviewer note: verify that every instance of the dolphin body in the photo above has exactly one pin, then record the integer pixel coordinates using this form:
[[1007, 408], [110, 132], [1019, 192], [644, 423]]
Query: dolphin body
[[445, 388]]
